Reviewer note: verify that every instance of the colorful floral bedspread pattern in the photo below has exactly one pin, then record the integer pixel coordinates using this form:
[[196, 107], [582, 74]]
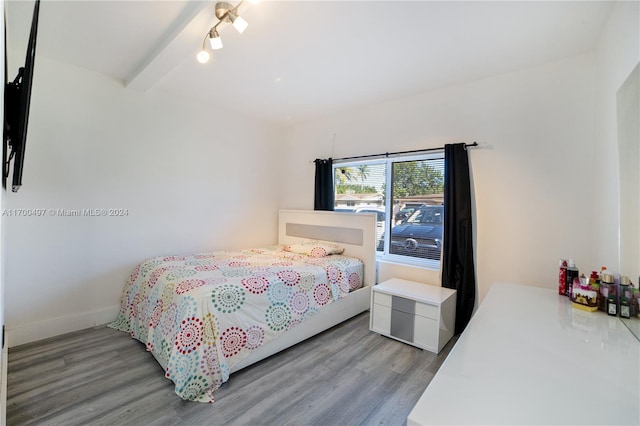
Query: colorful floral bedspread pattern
[[202, 314]]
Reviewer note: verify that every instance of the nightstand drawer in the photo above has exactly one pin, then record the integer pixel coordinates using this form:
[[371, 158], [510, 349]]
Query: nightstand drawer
[[426, 334], [381, 321], [427, 311], [402, 304], [382, 299]]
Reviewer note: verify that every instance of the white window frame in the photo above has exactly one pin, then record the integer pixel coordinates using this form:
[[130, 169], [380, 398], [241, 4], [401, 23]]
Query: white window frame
[[388, 161]]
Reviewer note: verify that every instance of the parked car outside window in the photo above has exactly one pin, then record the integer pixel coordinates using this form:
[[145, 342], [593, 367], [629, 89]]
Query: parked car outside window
[[406, 211], [344, 209], [420, 235]]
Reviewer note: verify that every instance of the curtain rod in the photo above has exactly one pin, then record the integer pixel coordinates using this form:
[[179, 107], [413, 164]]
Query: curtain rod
[[387, 154]]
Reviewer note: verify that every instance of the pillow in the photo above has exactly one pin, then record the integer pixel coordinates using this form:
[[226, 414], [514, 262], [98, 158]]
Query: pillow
[[314, 248]]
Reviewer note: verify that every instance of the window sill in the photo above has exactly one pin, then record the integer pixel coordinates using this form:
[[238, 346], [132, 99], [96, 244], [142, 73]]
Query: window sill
[[387, 269], [431, 265]]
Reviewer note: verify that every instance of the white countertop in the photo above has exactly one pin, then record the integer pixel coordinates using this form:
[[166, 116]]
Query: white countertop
[[528, 357]]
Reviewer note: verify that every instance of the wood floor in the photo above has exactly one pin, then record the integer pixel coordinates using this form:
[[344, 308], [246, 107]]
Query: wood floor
[[347, 375]]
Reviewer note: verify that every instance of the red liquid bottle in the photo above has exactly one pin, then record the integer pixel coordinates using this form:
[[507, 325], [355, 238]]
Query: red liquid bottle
[[562, 277]]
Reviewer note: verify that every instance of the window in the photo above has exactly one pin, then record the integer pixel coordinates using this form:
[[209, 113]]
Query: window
[[407, 194]]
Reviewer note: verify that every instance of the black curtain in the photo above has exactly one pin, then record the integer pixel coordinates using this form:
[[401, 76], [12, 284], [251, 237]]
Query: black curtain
[[323, 198], [458, 272]]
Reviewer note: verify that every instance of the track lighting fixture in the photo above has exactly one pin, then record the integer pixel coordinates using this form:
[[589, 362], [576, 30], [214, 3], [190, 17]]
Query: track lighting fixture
[[225, 12]]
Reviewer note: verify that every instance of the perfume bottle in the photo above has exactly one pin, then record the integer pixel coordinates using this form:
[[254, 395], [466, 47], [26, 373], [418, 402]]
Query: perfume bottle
[[572, 273], [562, 277], [608, 281], [625, 297]]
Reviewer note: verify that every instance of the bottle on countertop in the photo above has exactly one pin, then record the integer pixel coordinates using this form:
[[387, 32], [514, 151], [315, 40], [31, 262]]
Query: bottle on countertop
[[562, 277], [594, 284], [572, 273], [608, 282], [636, 292], [625, 297], [604, 291], [635, 302], [603, 271]]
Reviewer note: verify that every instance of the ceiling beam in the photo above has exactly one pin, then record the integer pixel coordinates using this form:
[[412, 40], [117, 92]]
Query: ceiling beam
[[174, 46]]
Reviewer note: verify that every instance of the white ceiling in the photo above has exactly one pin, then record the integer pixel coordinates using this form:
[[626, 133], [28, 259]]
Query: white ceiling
[[302, 59]]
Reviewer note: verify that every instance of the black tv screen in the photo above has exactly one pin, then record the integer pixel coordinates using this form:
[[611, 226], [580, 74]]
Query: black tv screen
[[17, 98]]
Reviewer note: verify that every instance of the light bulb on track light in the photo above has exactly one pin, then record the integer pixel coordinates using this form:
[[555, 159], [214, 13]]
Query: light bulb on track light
[[238, 22], [203, 57], [214, 40]]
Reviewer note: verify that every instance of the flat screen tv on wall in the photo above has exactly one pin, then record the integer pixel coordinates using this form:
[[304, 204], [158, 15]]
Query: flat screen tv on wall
[[17, 98]]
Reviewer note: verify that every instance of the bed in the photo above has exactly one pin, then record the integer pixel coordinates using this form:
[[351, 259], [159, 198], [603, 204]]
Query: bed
[[204, 316]]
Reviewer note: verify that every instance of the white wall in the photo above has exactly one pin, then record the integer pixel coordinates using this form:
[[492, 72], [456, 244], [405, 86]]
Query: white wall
[[192, 178], [1, 195], [3, 355], [618, 53], [532, 177]]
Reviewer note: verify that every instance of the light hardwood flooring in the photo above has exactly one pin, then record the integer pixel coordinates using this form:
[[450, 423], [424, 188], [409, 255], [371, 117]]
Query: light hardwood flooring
[[347, 375]]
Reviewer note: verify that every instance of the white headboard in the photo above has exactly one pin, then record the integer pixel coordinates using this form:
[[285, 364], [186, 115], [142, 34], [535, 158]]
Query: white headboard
[[356, 232]]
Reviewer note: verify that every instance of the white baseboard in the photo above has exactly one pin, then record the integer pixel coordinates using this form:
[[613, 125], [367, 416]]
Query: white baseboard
[[38, 330]]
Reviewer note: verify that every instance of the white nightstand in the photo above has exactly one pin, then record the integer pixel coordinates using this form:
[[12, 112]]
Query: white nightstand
[[419, 314]]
